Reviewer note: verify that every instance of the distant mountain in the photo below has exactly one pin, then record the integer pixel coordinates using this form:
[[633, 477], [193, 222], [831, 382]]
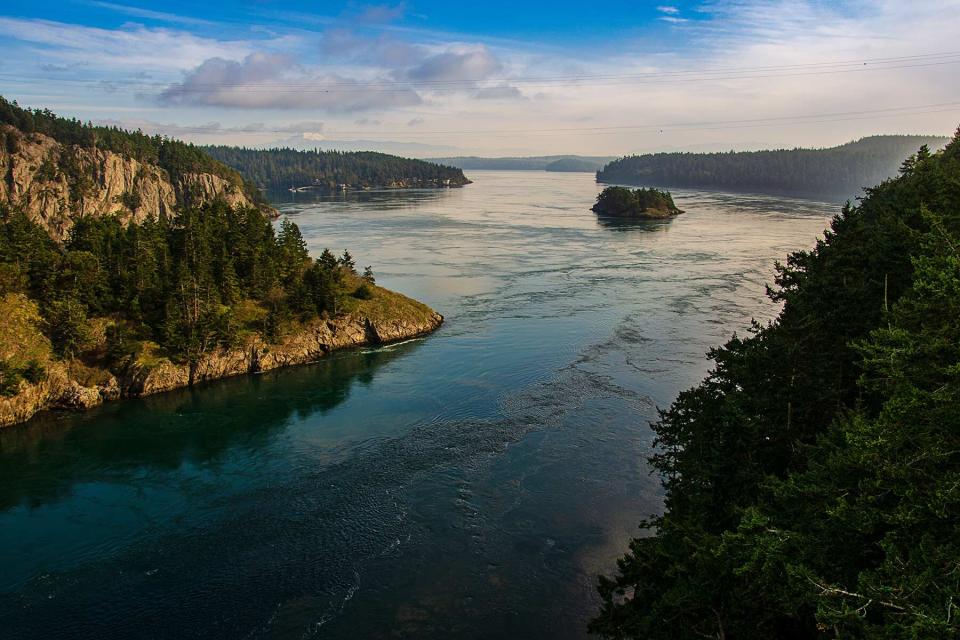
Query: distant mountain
[[575, 165], [831, 172], [276, 169], [394, 147], [532, 163]]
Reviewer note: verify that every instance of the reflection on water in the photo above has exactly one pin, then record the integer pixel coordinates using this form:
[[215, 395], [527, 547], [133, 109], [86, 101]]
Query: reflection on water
[[383, 198], [164, 431], [641, 225], [471, 484]]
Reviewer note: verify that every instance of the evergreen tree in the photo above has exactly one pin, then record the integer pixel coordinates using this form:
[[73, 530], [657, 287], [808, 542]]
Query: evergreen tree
[[347, 262], [66, 325], [812, 477]]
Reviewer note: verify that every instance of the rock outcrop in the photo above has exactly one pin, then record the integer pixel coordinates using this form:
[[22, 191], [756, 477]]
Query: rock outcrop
[[55, 183], [149, 375], [309, 344], [56, 384]]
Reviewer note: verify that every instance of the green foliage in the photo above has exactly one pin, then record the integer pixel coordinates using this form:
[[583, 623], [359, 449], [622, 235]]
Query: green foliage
[[10, 378], [175, 157], [363, 292], [131, 200], [66, 326], [638, 203], [28, 257], [33, 372], [346, 261], [837, 171], [174, 282], [812, 478], [277, 169]]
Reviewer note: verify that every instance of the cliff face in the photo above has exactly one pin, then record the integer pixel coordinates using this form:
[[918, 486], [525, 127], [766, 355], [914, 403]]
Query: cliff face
[[56, 183], [63, 388], [309, 344]]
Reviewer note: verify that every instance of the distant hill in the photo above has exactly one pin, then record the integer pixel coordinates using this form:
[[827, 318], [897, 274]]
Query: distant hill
[[276, 169], [532, 163], [573, 165], [832, 172], [405, 149]]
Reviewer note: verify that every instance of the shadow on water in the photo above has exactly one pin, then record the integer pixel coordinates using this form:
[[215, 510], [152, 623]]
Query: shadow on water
[[382, 198], [632, 225], [42, 459]]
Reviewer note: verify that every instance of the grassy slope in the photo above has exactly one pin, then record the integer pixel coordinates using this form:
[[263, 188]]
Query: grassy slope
[[20, 337], [386, 305]]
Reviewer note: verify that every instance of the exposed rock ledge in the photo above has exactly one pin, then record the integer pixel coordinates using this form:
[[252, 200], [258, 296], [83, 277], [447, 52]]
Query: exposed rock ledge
[[35, 175], [59, 391]]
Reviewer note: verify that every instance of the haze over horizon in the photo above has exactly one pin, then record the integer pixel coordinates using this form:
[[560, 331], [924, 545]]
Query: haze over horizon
[[424, 79]]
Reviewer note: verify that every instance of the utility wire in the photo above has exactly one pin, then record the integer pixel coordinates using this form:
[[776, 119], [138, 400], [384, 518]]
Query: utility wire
[[652, 77], [842, 116]]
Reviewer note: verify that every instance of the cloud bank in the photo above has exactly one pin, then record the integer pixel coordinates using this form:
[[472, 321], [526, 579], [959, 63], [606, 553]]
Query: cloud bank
[[380, 72]]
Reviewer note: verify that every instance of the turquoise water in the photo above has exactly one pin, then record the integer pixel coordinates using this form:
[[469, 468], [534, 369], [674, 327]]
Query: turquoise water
[[470, 484]]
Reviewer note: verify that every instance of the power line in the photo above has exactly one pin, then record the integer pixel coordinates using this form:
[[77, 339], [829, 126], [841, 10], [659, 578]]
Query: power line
[[653, 77], [842, 116], [720, 124]]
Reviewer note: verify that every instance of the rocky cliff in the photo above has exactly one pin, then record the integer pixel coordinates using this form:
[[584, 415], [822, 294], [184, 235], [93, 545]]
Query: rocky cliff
[[56, 183], [73, 386]]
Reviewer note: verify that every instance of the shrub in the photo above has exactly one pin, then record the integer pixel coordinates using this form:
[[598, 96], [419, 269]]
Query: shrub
[[363, 292]]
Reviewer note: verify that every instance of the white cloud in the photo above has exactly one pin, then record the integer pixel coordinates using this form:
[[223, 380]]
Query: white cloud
[[131, 46], [457, 64], [382, 13], [382, 50], [272, 81], [671, 14], [370, 76], [499, 92], [137, 12]]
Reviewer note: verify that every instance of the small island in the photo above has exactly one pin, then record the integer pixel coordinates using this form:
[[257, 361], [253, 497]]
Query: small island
[[642, 204]]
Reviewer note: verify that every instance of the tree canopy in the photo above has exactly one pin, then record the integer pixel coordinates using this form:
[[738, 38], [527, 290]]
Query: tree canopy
[[838, 171], [812, 478], [275, 169], [635, 203], [175, 157], [190, 284]]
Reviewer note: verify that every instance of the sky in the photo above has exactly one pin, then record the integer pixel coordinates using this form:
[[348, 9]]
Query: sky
[[434, 78]]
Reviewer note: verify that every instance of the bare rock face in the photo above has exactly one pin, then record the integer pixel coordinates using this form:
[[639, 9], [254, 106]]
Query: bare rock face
[[400, 328], [32, 398], [310, 344], [163, 376], [222, 364], [109, 390], [56, 183], [56, 390], [78, 397]]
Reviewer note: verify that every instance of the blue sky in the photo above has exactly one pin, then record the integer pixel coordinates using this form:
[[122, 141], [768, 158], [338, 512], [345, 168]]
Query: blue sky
[[425, 77], [558, 22]]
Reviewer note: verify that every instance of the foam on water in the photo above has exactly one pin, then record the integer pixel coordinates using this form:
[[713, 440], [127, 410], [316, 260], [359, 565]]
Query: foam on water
[[469, 484]]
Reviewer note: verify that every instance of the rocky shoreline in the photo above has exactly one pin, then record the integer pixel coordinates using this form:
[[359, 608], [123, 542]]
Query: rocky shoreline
[[147, 376]]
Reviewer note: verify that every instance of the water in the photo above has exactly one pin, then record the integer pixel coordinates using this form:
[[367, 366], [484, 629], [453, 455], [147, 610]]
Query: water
[[471, 484]]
